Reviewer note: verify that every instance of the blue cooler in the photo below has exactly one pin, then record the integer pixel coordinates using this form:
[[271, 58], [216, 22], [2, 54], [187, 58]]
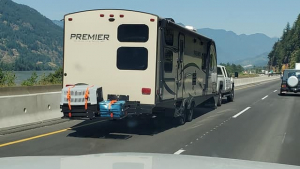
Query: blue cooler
[[116, 109]]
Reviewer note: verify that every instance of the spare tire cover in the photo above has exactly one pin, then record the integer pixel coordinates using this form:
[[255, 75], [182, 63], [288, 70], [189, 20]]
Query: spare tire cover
[[292, 81]]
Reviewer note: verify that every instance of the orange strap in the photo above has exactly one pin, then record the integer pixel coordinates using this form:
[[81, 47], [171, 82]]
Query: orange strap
[[69, 97], [86, 96], [111, 102], [109, 106]]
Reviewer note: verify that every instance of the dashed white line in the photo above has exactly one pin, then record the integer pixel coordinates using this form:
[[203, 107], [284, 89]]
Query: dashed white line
[[283, 138], [197, 139], [264, 97], [275, 91], [179, 151], [191, 142], [186, 145], [235, 116]]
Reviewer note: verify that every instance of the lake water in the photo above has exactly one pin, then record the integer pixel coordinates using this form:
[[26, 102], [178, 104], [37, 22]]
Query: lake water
[[23, 75]]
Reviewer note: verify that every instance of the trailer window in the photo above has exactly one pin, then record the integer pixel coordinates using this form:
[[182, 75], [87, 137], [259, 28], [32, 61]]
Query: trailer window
[[169, 36], [132, 58], [213, 59], [133, 33], [168, 61]]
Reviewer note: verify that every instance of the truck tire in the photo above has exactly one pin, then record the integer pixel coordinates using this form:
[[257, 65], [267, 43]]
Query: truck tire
[[231, 96], [189, 113], [219, 102]]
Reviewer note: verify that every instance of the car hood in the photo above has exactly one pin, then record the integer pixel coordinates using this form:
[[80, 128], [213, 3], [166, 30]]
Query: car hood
[[133, 161]]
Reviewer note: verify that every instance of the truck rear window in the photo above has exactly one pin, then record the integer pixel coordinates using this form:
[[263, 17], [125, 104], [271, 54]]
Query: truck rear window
[[132, 58], [219, 71], [133, 33]]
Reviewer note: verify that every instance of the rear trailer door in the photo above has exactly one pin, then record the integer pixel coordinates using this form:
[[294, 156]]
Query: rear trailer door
[[115, 49]]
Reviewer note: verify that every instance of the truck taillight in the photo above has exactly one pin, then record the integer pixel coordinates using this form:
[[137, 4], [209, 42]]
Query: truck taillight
[[152, 20], [69, 85], [101, 15], [284, 85], [70, 19], [146, 91], [121, 16]]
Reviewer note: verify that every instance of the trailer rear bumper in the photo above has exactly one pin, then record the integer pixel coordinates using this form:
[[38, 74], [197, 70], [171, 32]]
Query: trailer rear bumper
[[132, 108]]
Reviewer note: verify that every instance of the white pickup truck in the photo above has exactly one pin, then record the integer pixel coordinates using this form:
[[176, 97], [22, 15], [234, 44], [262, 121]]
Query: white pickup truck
[[225, 85]]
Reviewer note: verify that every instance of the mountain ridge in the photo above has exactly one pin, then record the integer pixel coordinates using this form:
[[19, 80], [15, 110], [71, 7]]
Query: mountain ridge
[[28, 40]]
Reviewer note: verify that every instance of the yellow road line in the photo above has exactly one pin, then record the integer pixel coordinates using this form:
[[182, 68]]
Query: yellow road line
[[34, 137], [46, 134]]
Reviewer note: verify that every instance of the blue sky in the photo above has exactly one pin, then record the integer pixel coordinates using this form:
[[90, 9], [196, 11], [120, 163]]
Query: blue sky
[[240, 16]]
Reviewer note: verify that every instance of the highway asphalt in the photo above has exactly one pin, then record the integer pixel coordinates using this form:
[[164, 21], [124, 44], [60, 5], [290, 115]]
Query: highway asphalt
[[259, 125]]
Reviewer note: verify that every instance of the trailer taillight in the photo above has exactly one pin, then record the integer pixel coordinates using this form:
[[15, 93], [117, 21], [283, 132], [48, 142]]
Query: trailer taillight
[[111, 15], [146, 91], [121, 16], [152, 20], [101, 15], [70, 19]]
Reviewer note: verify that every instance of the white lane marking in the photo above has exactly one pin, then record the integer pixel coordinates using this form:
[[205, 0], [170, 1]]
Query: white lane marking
[[191, 142], [179, 151], [283, 138], [196, 126], [197, 139], [186, 145], [275, 91], [264, 97], [235, 116]]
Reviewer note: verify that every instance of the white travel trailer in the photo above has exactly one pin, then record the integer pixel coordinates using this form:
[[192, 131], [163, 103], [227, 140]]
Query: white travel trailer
[[157, 63]]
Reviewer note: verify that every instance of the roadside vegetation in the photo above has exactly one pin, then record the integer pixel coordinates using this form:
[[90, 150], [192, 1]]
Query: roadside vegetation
[[286, 51], [7, 79]]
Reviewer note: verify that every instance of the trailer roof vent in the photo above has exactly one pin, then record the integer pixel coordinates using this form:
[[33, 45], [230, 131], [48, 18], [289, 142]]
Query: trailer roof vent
[[170, 19], [191, 28]]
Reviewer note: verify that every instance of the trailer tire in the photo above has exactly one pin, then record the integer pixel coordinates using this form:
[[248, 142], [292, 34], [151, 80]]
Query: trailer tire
[[219, 102], [180, 120], [189, 113]]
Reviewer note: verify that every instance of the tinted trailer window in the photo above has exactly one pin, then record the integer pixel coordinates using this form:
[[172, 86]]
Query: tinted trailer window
[[132, 58], [133, 33]]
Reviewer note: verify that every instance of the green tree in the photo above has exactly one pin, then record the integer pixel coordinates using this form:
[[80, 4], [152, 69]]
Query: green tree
[[287, 49], [52, 78], [31, 81], [7, 78]]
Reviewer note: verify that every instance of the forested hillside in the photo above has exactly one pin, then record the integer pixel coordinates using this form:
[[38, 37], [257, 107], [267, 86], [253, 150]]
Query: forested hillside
[[28, 40], [286, 52]]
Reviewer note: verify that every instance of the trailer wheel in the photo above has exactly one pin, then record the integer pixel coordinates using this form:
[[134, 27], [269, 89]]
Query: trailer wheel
[[219, 103], [180, 120], [231, 96], [190, 113]]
